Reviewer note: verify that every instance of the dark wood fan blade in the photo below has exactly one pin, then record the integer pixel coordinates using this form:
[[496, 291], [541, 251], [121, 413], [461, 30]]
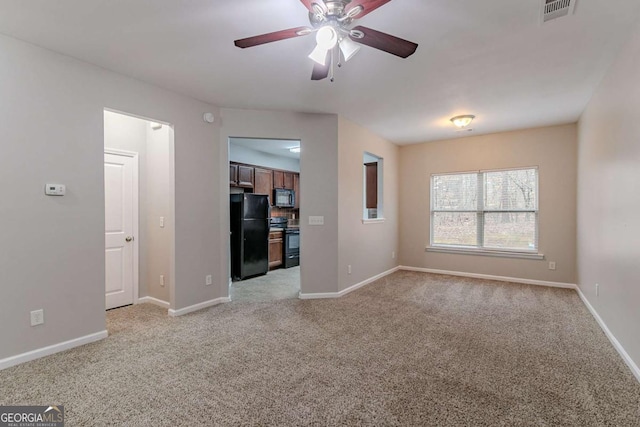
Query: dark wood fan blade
[[272, 37], [368, 6], [309, 4], [321, 71], [388, 43]]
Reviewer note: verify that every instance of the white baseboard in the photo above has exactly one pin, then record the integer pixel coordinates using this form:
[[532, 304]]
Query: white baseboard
[[320, 295], [199, 306], [491, 277], [349, 289], [155, 301], [616, 344], [52, 349]]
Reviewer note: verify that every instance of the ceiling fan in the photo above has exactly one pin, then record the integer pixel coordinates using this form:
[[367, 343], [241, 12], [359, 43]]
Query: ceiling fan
[[331, 21]]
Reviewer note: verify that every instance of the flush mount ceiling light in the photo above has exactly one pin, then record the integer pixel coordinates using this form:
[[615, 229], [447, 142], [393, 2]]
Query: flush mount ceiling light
[[462, 122], [336, 39]]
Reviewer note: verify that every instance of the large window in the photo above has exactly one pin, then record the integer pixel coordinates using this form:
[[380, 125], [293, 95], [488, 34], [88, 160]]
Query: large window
[[487, 210]]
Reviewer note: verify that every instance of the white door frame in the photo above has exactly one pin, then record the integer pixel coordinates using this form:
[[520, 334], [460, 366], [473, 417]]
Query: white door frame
[[134, 156]]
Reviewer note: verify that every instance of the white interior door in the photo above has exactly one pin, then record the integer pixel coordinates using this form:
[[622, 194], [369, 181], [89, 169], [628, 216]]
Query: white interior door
[[120, 191]]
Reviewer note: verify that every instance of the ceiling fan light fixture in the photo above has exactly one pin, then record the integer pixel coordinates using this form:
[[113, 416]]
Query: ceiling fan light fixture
[[349, 48], [319, 55], [327, 37], [463, 121]]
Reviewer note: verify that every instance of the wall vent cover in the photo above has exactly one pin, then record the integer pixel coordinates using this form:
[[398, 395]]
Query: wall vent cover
[[553, 9]]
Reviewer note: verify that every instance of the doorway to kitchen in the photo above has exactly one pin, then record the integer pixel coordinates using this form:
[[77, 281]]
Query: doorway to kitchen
[[264, 199], [139, 206]]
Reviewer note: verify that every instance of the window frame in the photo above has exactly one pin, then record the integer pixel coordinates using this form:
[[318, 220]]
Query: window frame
[[481, 212]]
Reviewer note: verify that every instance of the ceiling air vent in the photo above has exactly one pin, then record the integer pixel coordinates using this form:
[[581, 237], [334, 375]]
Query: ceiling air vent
[[552, 9]]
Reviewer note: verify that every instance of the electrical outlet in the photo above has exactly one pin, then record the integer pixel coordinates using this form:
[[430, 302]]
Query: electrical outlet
[[552, 265], [37, 317], [208, 280], [162, 280], [161, 222], [393, 254], [597, 290], [349, 269]]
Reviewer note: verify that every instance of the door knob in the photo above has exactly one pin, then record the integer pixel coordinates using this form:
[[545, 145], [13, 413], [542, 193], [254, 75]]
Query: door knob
[[128, 238]]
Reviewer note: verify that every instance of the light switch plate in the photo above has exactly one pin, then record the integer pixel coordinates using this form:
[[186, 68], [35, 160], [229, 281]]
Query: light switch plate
[[316, 220], [37, 317]]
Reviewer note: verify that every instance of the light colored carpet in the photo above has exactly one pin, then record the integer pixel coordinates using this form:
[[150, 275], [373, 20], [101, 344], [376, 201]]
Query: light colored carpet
[[411, 349], [282, 283]]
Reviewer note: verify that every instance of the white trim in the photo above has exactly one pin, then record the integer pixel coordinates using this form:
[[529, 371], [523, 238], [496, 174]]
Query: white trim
[[373, 221], [155, 301], [349, 289], [136, 190], [52, 349], [491, 277], [616, 344], [484, 252], [323, 295], [199, 306]]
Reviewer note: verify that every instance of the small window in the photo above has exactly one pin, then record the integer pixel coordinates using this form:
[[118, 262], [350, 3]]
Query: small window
[[372, 187], [490, 210]]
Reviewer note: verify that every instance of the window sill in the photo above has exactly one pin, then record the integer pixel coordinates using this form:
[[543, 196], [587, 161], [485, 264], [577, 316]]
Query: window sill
[[373, 221], [485, 252]]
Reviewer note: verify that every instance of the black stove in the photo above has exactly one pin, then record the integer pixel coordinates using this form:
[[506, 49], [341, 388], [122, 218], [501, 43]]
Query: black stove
[[279, 222], [291, 250]]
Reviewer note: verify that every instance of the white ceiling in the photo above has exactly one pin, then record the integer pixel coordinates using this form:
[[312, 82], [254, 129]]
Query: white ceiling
[[491, 58]]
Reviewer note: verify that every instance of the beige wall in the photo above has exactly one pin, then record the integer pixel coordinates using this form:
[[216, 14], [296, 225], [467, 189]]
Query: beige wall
[[318, 134], [52, 255], [158, 204], [552, 149], [608, 195], [366, 247]]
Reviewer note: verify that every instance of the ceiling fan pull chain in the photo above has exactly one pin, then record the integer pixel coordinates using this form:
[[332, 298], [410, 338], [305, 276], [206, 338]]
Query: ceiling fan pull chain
[[333, 61]]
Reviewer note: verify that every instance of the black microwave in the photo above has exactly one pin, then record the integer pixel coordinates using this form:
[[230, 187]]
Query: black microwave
[[283, 198]]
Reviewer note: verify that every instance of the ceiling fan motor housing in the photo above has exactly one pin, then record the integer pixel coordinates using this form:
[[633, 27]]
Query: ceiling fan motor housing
[[331, 13], [335, 8]]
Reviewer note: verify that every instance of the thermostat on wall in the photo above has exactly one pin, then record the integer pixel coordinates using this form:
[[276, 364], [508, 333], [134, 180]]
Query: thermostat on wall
[[55, 189]]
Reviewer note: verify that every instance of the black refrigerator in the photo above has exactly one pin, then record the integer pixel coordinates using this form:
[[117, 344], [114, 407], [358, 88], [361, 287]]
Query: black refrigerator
[[249, 235]]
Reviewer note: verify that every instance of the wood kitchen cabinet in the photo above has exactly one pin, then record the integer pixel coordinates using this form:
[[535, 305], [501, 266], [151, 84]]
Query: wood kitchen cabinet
[[245, 176], [296, 189], [263, 182], [240, 175], [233, 174], [283, 179], [276, 248]]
